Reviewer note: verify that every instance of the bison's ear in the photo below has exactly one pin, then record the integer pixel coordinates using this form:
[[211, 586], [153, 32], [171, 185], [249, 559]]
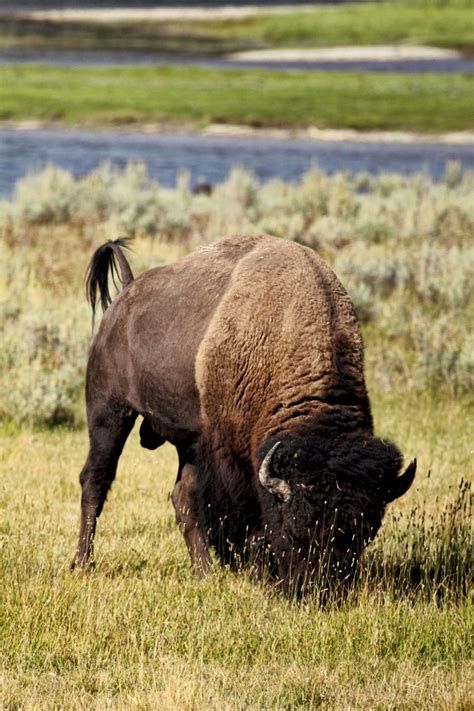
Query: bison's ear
[[399, 485]]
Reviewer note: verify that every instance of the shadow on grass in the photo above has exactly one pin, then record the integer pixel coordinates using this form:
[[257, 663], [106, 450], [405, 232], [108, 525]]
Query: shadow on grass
[[424, 556]]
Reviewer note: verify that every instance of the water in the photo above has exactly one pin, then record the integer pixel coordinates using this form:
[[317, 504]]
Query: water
[[95, 58], [210, 158]]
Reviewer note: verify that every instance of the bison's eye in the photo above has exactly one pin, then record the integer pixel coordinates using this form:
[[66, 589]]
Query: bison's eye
[[305, 487]]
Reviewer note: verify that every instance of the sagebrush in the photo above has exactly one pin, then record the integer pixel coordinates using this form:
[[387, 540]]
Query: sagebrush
[[402, 246]]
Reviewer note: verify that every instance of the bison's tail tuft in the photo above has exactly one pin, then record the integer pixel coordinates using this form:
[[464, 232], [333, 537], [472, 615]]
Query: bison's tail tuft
[[104, 262]]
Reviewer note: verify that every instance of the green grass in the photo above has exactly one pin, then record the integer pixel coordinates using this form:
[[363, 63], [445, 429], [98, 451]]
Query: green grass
[[358, 24], [141, 632], [198, 96], [444, 24]]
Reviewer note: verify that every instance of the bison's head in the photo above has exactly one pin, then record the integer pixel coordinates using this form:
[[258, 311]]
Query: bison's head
[[323, 501]]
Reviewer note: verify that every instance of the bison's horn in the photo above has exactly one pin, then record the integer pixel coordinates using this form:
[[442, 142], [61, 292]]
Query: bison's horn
[[400, 484], [278, 487]]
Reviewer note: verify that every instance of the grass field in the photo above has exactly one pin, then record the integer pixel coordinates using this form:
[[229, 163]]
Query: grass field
[[141, 632], [196, 96], [444, 24], [426, 23]]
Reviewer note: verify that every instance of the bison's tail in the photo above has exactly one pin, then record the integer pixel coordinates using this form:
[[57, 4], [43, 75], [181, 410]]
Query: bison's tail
[[104, 262]]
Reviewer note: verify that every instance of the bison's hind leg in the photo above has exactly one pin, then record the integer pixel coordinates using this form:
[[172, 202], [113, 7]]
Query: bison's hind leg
[[148, 437], [185, 502], [109, 427]]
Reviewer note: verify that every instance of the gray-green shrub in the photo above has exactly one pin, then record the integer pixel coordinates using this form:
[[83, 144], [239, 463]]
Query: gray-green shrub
[[402, 245]]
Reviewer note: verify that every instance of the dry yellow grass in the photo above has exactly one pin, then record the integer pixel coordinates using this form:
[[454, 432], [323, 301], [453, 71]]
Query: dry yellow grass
[[141, 632]]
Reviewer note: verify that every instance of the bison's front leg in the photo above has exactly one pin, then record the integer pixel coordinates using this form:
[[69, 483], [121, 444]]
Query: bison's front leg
[[185, 504]]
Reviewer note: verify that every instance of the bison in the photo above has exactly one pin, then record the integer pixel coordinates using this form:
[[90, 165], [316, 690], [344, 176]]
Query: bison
[[247, 356]]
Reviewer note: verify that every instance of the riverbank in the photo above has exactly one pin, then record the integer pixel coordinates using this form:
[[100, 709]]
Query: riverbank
[[198, 97], [379, 53], [312, 133], [157, 14]]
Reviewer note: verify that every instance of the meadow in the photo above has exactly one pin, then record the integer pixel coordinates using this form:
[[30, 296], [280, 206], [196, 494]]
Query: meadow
[[141, 632], [196, 97], [441, 23]]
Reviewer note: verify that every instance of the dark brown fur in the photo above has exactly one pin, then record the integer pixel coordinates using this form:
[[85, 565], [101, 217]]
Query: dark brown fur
[[241, 344]]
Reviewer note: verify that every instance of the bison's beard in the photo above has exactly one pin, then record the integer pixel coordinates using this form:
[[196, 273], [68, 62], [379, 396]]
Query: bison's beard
[[321, 560], [320, 572]]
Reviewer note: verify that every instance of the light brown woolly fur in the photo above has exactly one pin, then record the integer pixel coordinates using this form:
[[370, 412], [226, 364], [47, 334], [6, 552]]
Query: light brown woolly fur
[[283, 341]]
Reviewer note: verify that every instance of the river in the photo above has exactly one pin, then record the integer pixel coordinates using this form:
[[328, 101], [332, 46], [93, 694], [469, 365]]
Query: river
[[97, 58], [210, 158]]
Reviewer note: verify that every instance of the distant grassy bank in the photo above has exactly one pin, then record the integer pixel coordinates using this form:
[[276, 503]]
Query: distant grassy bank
[[428, 23], [197, 96], [443, 24]]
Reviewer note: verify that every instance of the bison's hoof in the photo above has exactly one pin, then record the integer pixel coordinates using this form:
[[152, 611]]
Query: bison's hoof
[[81, 564]]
